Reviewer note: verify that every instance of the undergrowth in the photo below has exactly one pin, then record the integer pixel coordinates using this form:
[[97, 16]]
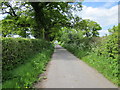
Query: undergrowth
[[25, 75], [107, 66]]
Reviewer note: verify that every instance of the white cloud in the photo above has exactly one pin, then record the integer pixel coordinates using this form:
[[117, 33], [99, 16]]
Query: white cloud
[[103, 16], [103, 32]]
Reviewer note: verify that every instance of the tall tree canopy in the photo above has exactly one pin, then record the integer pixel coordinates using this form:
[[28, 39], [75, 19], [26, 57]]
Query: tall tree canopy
[[50, 15], [19, 19], [41, 19]]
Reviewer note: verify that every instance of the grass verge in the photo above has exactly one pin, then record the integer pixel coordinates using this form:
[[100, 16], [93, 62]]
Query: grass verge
[[100, 63], [25, 75]]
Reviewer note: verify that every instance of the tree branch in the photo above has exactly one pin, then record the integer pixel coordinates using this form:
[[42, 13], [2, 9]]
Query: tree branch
[[13, 12]]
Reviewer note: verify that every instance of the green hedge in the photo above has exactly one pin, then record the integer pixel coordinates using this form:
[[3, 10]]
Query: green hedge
[[102, 55], [27, 74], [16, 51]]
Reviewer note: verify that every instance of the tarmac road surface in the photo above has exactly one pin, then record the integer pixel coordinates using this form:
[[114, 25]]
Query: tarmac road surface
[[67, 71]]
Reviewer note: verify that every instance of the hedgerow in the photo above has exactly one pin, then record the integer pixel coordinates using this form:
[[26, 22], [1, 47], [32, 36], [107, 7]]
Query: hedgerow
[[16, 51], [100, 52], [27, 74]]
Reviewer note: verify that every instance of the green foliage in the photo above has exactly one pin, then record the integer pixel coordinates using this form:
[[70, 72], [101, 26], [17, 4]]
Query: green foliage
[[16, 51], [90, 28], [68, 35], [50, 17], [17, 26], [100, 52], [25, 75], [107, 66], [109, 46], [19, 20], [114, 29], [40, 19], [109, 49]]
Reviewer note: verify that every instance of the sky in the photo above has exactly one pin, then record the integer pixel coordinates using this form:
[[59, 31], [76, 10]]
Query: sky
[[104, 13]]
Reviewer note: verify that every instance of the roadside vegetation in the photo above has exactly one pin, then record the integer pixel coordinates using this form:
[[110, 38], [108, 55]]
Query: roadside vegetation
[[99, 52], [22, 64], [23, 58]]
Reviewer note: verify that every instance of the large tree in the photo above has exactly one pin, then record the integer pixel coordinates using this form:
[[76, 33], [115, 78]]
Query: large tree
[[49, 17], [18, 20]]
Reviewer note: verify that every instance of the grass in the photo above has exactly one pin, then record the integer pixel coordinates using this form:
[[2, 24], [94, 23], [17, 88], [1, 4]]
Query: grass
[[25, 75], [106, 66], [103, 65]]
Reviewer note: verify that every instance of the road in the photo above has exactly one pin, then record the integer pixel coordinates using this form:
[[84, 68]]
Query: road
[[67, 71]]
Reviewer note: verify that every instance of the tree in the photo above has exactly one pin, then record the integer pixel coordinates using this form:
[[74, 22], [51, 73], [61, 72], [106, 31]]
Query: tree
[[18, 20], [114, 29], [90, 28], [47, 17], [50, 15]]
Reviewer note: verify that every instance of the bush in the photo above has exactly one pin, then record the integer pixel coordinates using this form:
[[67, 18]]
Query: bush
[[100, 52], [25, 75], [102, 56], [16, 51]]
